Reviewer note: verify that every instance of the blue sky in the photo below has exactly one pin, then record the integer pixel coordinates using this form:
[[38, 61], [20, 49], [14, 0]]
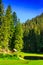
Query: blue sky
[[25, 9]]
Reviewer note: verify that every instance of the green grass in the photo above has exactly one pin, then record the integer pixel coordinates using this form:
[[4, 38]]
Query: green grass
[[17, 61], [21, 62]]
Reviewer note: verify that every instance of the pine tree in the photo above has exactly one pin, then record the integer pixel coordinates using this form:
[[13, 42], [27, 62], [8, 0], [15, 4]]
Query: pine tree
[[18, 40], [14, 18], [1, 23], [9, 27]]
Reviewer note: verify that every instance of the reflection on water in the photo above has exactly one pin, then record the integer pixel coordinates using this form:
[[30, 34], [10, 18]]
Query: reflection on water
[[33, 58]]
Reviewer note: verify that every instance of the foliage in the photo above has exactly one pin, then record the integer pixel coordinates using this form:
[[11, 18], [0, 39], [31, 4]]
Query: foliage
[[18, 40], [33, 34], [26, 37]]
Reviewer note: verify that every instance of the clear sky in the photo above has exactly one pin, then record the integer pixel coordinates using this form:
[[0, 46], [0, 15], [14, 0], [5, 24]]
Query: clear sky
[[25, 9]]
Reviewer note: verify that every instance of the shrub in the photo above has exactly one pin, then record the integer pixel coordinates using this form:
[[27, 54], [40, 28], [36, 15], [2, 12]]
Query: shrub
[[1, 55]]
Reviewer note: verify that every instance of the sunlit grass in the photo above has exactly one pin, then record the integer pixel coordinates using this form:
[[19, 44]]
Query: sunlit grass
[[21, 62], [18, 61]]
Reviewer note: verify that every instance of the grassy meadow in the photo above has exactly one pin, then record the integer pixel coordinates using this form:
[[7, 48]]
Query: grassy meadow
[[16, 60], [20, 62]]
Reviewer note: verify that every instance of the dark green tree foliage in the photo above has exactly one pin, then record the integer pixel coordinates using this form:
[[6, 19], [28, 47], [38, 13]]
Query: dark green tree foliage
[[1, 23], [11, 42], [41, 34], [33, 39], [14, 18]]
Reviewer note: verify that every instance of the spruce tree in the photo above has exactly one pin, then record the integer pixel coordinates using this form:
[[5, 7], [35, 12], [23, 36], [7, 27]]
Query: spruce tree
[[9, 27], [18, 40], [1, 23]]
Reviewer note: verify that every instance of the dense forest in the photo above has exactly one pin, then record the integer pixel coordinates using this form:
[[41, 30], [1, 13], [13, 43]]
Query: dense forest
[[26, 37], [33, 34]]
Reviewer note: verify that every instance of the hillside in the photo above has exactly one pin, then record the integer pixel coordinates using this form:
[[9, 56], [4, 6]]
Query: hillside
[[33, 34]]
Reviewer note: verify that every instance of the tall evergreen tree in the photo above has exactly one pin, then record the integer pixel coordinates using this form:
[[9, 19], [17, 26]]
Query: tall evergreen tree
[[18, 40], [9, 27], [1, 23], [15, 18]]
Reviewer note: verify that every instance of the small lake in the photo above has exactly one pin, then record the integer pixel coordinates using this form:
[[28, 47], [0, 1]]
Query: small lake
[[33, 58]]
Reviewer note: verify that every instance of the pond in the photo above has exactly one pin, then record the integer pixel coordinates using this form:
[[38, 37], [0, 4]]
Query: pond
[[33, 58]]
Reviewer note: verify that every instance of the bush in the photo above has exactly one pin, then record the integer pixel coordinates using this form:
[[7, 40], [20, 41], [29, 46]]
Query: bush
[[9, 56], [1, 55]]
